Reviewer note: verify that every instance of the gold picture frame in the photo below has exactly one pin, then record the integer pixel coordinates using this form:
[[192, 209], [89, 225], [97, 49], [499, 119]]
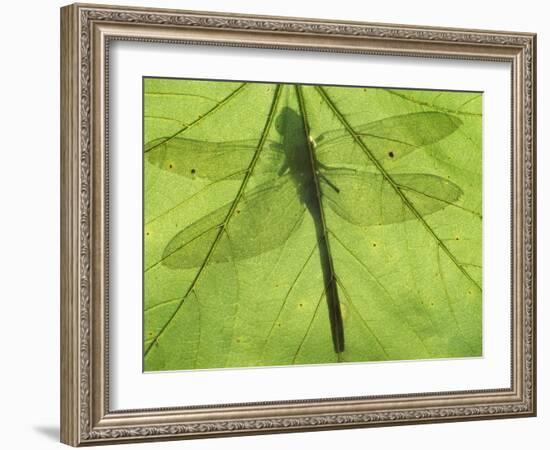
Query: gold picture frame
[[86, 33]]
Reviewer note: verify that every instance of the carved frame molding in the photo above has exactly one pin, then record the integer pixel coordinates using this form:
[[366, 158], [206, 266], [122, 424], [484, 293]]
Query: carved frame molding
[[86, 31]]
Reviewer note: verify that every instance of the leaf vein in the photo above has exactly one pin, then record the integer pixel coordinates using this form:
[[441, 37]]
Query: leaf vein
[[394, 185], [230, 213]]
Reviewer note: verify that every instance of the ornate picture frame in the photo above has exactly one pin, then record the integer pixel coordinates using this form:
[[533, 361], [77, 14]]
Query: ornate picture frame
[[87, 31]]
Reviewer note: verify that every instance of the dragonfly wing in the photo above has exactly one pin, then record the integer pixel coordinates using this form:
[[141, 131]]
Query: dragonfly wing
[[370, 199], [210, 160], [262, 220], [386, 139]]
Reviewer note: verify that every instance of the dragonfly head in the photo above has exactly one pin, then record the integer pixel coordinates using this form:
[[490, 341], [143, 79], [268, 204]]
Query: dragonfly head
[[289, 123]]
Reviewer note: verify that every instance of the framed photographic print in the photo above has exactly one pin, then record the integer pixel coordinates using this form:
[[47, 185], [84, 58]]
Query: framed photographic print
[[275, 224]]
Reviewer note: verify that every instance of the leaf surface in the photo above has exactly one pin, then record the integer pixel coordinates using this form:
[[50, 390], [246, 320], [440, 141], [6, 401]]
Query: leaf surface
[[233, 264]]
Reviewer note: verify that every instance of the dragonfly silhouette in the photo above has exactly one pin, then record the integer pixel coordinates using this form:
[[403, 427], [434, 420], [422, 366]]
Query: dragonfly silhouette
[[312, 174]]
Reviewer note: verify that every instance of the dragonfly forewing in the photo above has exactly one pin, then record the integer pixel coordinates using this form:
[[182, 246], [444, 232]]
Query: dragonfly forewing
[[387, 139], [211, 160]]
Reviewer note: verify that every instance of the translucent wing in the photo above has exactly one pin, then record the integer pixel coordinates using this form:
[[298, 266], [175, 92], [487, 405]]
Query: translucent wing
[[386, 139], [210, 160], [262, 220], [370, 199]]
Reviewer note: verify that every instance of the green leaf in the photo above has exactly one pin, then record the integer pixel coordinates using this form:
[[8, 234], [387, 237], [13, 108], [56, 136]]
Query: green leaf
[[288, 224]]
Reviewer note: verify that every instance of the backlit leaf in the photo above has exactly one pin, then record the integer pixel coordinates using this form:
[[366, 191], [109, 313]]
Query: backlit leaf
[[292, 224]]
